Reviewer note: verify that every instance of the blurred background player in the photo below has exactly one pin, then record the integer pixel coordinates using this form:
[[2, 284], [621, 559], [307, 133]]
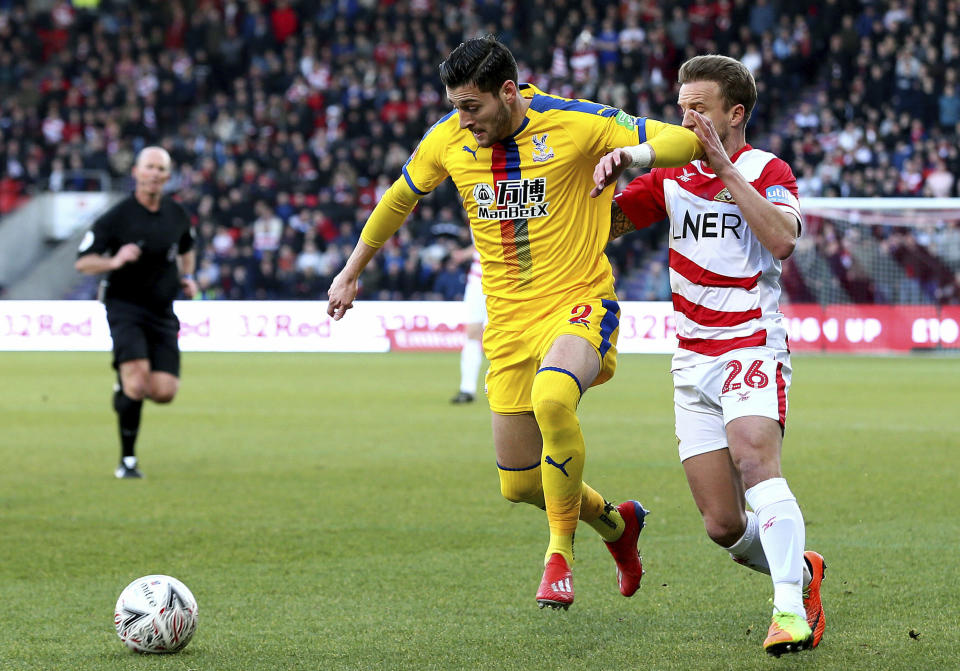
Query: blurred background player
[[145, 245], [475, 316], [734, 216], [522, 162]]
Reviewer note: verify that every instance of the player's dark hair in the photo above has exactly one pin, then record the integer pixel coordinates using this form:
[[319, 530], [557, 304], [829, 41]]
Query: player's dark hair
[[483, 61], [737, 86]]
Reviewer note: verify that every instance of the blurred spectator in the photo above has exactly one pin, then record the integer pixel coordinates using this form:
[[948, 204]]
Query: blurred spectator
[[286, 118], [309, 258], [450, 281], [763, 16], [940, 181], [949, 107], [267, 229], [239, 285]]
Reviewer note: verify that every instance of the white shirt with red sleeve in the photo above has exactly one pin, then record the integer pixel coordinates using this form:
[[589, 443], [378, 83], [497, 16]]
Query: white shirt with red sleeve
[[725, 284]]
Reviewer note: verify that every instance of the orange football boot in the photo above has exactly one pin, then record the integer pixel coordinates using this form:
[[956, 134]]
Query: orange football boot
[[811, 596]]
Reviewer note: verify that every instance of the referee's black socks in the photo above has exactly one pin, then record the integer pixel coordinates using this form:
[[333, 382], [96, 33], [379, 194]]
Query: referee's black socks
[[128, 416]]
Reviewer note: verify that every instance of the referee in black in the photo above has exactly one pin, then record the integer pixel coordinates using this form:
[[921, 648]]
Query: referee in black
[[145, 244]]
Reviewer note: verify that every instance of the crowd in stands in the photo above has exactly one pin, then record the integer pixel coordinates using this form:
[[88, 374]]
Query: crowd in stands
[[288, 119]]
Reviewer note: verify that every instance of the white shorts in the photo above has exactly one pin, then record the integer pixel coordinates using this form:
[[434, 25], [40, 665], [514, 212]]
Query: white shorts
[[741, 383], [474, 302]]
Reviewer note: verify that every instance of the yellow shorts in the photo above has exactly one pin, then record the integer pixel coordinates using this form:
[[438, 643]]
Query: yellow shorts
[[516, 350]]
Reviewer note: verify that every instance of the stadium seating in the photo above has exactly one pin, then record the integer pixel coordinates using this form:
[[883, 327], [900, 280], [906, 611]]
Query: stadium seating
[[309, 108]]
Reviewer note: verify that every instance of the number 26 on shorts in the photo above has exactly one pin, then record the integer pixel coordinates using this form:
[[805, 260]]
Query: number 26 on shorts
[[753, 377]]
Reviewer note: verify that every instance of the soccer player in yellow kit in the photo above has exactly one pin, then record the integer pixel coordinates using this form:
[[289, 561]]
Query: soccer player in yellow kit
[[523, 163]]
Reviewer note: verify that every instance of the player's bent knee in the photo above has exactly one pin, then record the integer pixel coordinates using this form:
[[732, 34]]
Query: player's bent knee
[[164, 395], [522, 486], [552, 415], [554, 397], [755, 448], [514, 494], [758, 466], [136, 389], [164, 391], [723, 530]]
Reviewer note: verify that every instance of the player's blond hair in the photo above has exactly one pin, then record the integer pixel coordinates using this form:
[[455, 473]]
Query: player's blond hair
[[737, 86]]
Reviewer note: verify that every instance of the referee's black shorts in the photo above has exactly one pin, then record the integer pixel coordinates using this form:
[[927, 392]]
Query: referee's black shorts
[[142, 333]]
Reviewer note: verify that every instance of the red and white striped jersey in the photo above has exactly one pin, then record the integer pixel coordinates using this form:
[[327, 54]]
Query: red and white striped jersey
[[725, 284]]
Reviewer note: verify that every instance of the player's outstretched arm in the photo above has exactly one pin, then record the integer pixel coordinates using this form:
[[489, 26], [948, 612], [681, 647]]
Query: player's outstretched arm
[[673, 146], [389, 214], [346, 284], [668, 146], [610, 167]]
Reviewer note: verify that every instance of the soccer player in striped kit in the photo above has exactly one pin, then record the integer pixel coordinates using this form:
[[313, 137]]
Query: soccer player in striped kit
[[523, 162], [734, 215]]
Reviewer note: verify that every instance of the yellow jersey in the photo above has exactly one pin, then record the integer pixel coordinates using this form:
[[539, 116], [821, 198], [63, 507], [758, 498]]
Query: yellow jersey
[[538, 232]]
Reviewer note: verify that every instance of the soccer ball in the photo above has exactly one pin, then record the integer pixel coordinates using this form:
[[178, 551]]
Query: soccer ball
[[156, 613]]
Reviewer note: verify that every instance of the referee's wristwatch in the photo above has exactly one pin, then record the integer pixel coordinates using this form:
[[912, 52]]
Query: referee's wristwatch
[[188, 276]]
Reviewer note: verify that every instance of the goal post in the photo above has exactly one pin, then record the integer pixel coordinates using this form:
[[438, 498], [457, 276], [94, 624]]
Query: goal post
[[875, 275]]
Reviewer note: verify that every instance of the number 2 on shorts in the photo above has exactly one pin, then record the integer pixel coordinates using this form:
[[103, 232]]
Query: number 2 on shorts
[[581, 314]]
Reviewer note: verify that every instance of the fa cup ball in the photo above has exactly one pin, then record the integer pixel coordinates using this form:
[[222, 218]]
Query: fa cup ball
[[156, 614]]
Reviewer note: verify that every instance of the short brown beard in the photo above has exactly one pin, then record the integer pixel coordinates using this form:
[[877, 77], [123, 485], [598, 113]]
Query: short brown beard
[[502, 123]]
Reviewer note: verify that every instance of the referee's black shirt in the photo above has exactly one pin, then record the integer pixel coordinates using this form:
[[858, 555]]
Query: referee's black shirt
[[153, 280]]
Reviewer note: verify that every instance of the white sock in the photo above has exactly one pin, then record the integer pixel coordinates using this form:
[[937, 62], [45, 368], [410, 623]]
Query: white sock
[[471, 358], [782, 536], [749, 550]]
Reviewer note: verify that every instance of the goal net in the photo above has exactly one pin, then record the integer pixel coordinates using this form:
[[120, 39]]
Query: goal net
[[875, 275]]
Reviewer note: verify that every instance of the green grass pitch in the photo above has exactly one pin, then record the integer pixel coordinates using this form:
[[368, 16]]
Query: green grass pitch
[[336, 512]]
